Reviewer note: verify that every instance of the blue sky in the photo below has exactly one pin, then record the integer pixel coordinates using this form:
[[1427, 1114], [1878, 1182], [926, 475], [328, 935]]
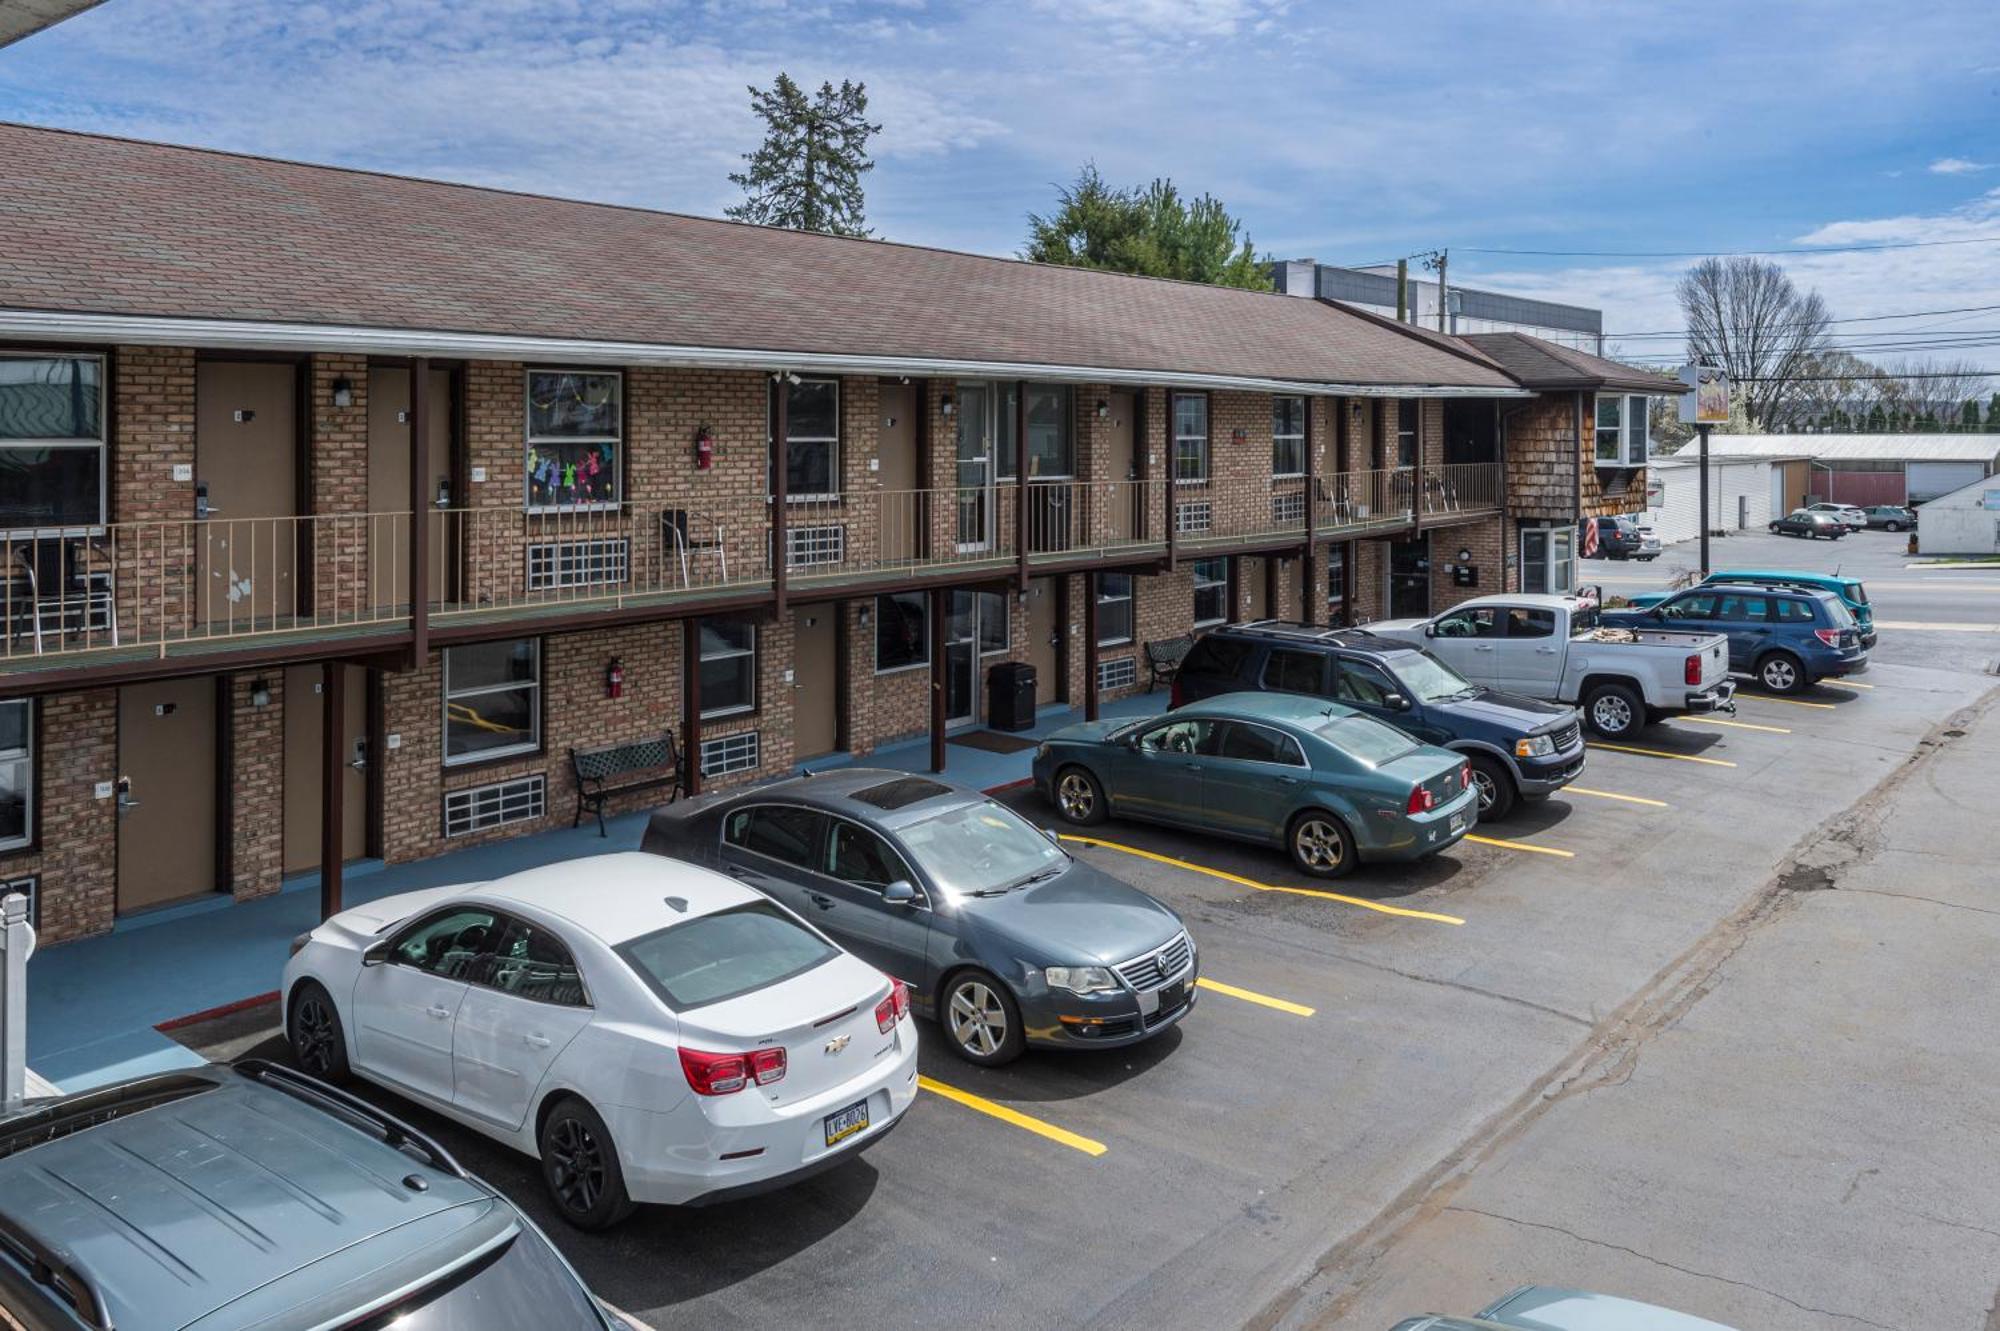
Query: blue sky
[[1351, 132]]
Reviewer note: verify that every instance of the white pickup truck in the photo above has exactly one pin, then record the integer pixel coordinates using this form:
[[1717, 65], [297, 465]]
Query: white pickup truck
[[1551, 647]]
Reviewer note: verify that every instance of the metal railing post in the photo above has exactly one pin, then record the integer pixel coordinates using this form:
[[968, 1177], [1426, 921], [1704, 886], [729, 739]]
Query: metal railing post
[[17, 944]]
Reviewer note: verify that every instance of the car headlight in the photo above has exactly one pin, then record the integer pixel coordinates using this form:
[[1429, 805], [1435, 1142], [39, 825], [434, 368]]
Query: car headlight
[[1081, 980], [1535, 746]]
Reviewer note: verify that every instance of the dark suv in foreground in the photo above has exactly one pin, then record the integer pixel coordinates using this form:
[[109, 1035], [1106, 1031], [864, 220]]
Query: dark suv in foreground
[[219, 1199], [1520, 748]]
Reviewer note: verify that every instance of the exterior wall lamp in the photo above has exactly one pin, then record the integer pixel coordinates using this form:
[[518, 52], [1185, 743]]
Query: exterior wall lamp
[[946, 405], [260, 692], [343, 393], [1103, 409]]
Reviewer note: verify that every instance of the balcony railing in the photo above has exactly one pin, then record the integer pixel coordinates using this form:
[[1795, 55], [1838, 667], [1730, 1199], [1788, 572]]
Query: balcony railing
[[152, 588]]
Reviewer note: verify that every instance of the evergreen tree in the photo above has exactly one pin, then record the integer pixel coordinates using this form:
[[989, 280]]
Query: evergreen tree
[[1968, 414], [1878, 422], [1153, 232], [1993, 412], [806, 175]]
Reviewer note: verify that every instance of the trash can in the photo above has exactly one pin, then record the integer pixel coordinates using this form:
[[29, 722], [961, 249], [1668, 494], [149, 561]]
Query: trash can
[[1010, 696]]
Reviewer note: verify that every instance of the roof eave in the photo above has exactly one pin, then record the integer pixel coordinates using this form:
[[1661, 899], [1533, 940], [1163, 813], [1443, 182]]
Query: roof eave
[[66, 327]]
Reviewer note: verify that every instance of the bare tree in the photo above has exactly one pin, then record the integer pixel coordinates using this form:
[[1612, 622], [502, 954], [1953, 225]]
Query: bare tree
[[1746, 317], [1931, 391]]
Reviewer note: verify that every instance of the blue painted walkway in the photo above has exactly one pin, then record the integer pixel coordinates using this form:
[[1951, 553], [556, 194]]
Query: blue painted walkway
[[93, 1004]]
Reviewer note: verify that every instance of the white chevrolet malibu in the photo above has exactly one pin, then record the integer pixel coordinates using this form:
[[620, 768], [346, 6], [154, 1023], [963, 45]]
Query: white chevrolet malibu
[[652, 1031]]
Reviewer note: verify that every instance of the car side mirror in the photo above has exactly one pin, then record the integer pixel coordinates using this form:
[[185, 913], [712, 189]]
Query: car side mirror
[[1430, 630], [376, 953], [899, 893], [1395, 702]]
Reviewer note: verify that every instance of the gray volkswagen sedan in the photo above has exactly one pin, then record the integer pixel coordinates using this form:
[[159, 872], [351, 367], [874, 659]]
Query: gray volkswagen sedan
[[1003, 938]]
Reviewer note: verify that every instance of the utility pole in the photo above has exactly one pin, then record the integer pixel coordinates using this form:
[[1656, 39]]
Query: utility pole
[[1402, 291], [1437, 261]]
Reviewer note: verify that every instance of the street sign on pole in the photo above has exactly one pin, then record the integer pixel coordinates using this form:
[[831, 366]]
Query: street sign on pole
[[1706, 407], [17, 944]]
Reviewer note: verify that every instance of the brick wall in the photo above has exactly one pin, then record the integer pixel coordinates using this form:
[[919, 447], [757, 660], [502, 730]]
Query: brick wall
[[77, 852], [257, 785], [152, 432]]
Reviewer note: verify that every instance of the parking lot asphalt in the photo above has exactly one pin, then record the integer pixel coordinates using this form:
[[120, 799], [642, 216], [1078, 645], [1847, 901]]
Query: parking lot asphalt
[[1420, 1085]]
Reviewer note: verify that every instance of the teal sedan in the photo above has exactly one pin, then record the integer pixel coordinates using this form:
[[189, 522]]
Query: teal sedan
[[1323, 781]]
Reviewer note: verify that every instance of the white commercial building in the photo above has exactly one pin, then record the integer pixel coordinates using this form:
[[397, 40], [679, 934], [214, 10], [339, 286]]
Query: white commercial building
[[1744, 494], [1865, 469], [1964, 522]]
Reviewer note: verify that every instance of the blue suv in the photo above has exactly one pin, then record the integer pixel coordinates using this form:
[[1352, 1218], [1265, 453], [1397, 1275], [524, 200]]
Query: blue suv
[[1786, 637]]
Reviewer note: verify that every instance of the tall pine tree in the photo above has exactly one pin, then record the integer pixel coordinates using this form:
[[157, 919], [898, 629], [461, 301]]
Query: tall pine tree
[[807, 173]]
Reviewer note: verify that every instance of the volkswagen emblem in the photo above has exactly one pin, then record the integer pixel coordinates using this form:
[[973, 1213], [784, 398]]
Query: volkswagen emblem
[[837, 1043]]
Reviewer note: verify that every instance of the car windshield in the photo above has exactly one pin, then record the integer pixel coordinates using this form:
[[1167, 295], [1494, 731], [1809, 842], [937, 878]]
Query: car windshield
[[981, 850], [1365, 739], [1428, 679], [712, 958], [522, 1287]]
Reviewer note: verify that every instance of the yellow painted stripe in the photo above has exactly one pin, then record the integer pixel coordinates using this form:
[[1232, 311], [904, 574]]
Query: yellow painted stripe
[[1734, 725], [1520, 845], [1662, 753], [1025, 1122], [1789, 702], [1252, 996], [1843, 684], [1613, 795], [1241, 881]]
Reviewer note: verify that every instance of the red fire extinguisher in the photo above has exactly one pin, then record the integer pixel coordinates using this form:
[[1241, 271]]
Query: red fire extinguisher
[[704, 449], [614, 679]]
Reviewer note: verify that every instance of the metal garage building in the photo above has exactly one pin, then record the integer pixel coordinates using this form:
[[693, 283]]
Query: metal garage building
[[1964, 522], [1744, 494], [1866, 469]]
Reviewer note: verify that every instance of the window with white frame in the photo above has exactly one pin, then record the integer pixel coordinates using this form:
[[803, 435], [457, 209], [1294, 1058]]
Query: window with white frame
[[576, 434], [1114, 609], [1409, 422], [51, 442], [902, 632], [1623, 426], [728, 667], [1211, 591], [492, 700], [1548, 559], [17, 773], [1288, 436], [812, 436], [1190, 417]]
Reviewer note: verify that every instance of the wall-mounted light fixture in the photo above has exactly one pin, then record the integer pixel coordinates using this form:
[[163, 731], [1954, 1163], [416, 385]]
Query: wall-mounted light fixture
[[1465, 556], [946, 405], [260, 692], [343, 393], [1103, 409], [863, 618]]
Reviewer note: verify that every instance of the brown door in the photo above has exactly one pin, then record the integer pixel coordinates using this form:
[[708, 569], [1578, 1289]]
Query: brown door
[[1121, 515], [815, 663], [903, 510], [1255, 588], [246, 470], [1042, 639], [166, 792], [389, 503], [303, 721]]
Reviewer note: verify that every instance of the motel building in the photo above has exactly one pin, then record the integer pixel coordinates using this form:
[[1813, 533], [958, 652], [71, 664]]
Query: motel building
[[338, 509]]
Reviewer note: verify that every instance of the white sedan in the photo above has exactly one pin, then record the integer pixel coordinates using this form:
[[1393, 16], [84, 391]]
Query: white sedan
[[652, 1031]]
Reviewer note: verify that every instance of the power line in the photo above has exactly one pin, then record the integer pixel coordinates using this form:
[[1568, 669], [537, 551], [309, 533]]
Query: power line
[[1856, 319], [1731, 254]]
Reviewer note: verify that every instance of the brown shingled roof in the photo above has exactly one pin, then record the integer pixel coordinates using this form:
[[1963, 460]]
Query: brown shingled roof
[[91, 224], [1539, 363]]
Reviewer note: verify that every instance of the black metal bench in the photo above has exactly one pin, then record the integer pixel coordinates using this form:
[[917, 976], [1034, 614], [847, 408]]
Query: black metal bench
[[610, 770], [1164, 658]]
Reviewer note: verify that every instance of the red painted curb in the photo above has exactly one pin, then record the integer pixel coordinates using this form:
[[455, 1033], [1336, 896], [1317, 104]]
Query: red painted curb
[[1010, 785], [227, 1009]]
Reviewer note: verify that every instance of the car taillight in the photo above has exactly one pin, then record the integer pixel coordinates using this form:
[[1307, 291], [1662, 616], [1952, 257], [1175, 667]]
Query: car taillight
[[725, 1074], [1831, 637], [1421, 801], [892, 1009], [1691, 669]]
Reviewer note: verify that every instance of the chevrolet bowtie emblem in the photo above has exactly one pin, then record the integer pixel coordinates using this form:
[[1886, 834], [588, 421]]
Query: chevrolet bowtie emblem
[[837, 1043]]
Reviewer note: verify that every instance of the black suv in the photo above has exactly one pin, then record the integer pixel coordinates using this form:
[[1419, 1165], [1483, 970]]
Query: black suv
[[1521, 748], [220, 1199]]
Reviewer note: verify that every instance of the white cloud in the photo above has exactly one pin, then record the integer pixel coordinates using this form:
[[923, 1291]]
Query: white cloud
[[1957, 166]]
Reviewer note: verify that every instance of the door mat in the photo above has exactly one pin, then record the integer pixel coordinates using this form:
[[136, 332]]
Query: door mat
[[992, 741]]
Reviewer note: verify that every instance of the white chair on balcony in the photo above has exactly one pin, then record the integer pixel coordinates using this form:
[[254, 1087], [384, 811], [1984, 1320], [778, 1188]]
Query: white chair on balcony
[[688, 538], [57, 587]]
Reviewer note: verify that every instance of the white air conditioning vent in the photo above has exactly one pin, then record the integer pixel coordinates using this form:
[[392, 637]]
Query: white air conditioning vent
[[1117, 674], [598, 561], [1287, 509], [730, 753], [476, 808], [1195, 517], [809, 547]]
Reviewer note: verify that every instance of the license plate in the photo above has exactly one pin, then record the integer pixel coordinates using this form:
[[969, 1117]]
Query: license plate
[[1173, 996], [841, 1126], [1458, 822]]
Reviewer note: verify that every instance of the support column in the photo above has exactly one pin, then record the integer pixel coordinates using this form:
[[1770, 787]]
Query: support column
[[1312, 503], [691, 705], [940, 601], [420, 509], [333, 785], [1171, 474], [1417, 476], [781, 460], [1235, 589], [1090, 646], [1021, 527]]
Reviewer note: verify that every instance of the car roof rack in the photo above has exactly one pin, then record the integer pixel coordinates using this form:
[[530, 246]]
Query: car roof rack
[[394, 1131], [51, 1271], [1294, 631]]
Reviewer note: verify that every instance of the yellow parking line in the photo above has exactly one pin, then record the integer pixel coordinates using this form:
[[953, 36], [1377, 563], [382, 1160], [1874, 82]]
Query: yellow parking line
[[1662, 753], [1252, 996], [1613, 795], [1789, 702], [1241, 881], [1521, 845], [1734, 725], [1843, 684], [1022, 1121]]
